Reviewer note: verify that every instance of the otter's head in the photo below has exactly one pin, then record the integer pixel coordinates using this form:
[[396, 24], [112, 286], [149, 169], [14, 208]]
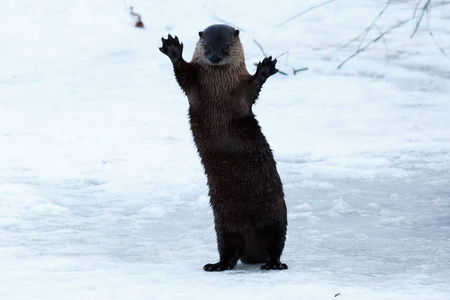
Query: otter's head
[[219, 45]]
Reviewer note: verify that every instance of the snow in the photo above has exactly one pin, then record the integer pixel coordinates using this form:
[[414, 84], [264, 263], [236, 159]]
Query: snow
[[102, 195]]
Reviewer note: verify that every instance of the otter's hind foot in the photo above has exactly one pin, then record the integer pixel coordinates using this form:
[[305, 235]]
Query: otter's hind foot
[[274, 266], [220, 266]]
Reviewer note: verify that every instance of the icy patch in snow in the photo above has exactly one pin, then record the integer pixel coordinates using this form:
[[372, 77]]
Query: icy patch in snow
[[317, 185], [302, 211], [395, 221], [155, 212], [19, 201], [339, 206], [47, 209]]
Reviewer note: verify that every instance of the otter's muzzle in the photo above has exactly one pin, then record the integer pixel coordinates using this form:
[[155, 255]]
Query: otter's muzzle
[[213, 58]]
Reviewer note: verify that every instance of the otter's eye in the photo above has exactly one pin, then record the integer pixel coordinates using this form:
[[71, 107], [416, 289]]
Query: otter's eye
[[226, 49]]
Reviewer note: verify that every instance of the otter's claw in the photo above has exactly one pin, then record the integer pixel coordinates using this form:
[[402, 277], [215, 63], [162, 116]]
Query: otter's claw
[[265, 69], [274, 266], [172, 48], [220, 266]]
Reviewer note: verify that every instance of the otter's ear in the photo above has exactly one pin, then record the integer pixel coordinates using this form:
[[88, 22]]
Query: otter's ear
[[200, 33], [236, 32]]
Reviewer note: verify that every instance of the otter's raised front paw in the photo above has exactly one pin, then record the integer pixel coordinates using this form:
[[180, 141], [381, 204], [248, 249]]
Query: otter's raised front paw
[[274, 266], [172, 48], [265, 69], [220, 266]]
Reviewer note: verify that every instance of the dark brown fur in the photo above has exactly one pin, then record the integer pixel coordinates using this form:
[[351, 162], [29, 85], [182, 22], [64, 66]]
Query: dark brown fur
[[245, 189]]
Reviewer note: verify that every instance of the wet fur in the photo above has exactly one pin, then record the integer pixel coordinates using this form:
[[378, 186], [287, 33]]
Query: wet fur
[[245, 189]]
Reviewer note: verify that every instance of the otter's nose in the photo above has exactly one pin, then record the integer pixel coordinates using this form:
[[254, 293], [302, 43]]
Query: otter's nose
[[214, 58]]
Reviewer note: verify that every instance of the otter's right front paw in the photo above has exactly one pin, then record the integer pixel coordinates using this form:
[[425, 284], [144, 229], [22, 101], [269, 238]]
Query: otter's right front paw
[[172, 48], [220, 266], [265, 69]]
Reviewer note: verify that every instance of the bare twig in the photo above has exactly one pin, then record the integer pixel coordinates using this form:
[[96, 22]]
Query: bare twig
[[375, 40], [304, 12], [419, 19], [385, 45], [138, 18], [265, 55], [299, 70], [282, 54], [422, 7], [416, 8], [364, 33], [437, 45], [260, 48]]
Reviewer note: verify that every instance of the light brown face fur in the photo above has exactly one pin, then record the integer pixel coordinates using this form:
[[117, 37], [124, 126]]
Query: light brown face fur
[[222, 77], [220, 80], [235, 59]]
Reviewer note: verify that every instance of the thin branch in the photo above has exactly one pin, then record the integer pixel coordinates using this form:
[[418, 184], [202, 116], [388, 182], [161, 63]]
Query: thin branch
[[283, 54], [304, 12], [299, 70], [421, 8], [260, 48], [416, 8], [265, 55], [437, 45], [423, 11], [374, 41], [137, 17], [364, 33], [385, 45], [344, 46]]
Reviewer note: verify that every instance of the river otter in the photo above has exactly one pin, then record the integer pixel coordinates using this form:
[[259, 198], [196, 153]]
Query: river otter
[[245, 189]]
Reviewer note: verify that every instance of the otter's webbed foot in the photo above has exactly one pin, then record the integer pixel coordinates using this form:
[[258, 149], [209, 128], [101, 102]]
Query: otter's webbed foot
[[273, 265], [172, 48], [265, 69], [220, 266]]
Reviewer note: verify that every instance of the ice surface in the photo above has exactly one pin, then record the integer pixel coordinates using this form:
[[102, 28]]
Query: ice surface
[[102, 195]]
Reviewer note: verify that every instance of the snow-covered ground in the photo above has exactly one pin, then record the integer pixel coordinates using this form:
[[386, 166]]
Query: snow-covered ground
[[102, 195]]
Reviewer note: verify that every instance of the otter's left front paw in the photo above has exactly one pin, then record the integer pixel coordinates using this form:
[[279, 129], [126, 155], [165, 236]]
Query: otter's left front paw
[[274, 266], [265, 69]]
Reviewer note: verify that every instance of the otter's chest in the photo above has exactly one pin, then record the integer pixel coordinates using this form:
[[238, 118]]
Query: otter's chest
[[213, 121], [223, 129], [214, 106]]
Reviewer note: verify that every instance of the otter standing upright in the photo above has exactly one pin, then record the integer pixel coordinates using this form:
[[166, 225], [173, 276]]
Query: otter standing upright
[[245, 189]]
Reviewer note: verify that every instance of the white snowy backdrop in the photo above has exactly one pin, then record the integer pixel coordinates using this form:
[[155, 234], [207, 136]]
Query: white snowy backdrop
[[102, 195]]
